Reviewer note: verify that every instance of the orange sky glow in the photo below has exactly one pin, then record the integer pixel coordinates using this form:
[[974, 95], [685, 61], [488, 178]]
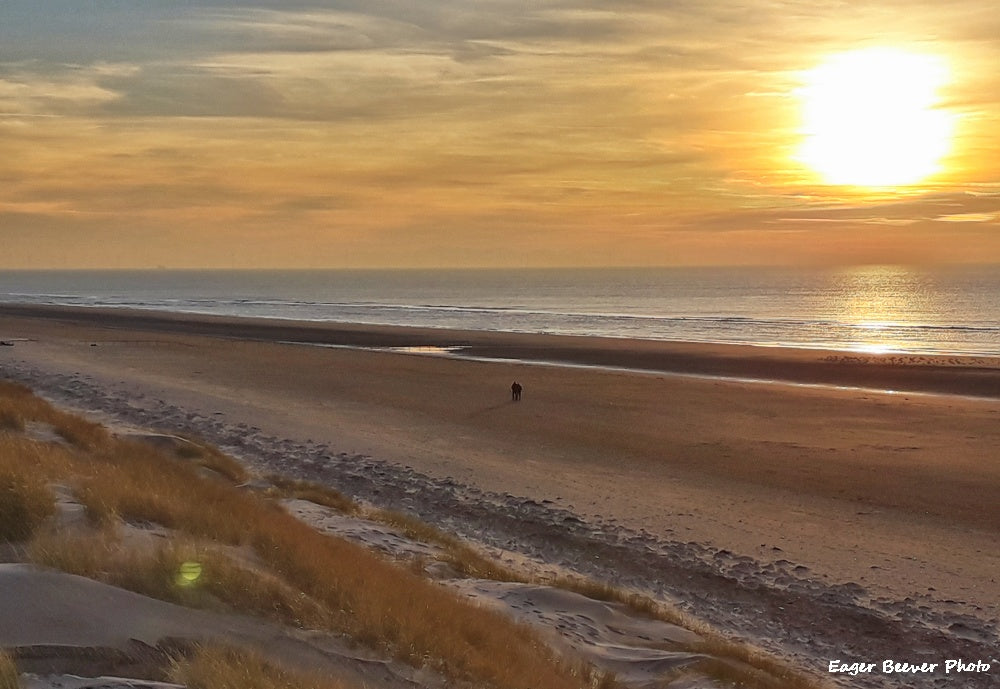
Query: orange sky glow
[[493, 133]]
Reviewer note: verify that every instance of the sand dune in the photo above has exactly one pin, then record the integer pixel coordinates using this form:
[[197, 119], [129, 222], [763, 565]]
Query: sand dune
[[638, 651]]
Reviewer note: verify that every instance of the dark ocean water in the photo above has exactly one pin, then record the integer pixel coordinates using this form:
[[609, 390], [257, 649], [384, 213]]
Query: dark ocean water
[[867, 308]]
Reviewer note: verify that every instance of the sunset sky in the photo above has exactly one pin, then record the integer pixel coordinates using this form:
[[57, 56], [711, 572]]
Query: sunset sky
[[398, 133]]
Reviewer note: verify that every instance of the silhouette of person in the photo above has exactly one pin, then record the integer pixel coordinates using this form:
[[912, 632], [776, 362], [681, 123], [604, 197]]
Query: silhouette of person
[[515, 391]]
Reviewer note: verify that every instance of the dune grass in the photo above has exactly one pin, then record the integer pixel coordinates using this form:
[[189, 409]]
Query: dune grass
[[219, 667], [284, 487], [100, 555], [10, 420], [25, 499], [348, 588], [208, 456], [464, 559], [376, 602], [18, 404], [742, 665], [180, 571], [734, 663], [9, 676], [25, 503]]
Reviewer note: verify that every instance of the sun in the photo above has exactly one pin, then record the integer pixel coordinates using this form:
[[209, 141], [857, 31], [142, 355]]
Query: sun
[[871, 118]]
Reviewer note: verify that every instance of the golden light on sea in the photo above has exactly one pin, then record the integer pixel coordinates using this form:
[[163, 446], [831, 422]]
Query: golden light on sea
[[872, 118], [883, 303]]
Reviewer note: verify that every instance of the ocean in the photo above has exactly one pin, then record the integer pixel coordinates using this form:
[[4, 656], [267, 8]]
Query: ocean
[[953, 310]]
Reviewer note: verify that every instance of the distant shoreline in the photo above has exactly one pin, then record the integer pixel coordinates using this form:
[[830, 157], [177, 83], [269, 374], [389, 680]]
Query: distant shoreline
[[976, 376]]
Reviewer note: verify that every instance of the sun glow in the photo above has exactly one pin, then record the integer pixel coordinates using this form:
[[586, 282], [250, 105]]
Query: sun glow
[[871, 118]]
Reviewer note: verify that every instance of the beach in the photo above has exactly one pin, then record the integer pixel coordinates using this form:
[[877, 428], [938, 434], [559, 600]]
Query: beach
[[823, 505]]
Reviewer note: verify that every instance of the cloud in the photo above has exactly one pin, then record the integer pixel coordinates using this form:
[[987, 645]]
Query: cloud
[[402, 125], [33, 90], [969, 217]]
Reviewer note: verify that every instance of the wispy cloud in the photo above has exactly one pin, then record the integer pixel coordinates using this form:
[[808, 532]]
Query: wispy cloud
[[27, 89], [969, 217]]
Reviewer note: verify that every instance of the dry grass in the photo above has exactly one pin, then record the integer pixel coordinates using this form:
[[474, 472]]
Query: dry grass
[[463, 558], [13, 402], [216, 667], [210, 457], [19, 405], [10, 419], [25, 503], [100, 555], [25, 499], [21, 454], [744, 666], [181, 572], [735, 663], [384, 605], [135, 482], [79, 432], [9, 676], [376, 602], [599, 590], [284, 487]]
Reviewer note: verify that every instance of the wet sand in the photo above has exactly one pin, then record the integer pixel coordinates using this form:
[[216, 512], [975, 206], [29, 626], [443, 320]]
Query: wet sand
[[817, 521]]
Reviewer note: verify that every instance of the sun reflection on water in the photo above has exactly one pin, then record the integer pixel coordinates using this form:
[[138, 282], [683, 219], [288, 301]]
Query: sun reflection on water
[[881, 302], [873, 349]]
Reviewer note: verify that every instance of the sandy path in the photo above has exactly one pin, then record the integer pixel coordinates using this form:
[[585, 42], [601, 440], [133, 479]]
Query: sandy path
[[885, 504]]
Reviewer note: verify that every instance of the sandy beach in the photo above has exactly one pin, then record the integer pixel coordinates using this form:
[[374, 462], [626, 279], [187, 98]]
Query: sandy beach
[[845, 509]]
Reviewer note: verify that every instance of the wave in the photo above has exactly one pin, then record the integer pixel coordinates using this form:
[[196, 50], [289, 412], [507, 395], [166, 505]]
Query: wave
[[236, 307], [561, 314]]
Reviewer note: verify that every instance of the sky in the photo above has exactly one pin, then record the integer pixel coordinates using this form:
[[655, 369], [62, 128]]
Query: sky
[[454, 133]]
